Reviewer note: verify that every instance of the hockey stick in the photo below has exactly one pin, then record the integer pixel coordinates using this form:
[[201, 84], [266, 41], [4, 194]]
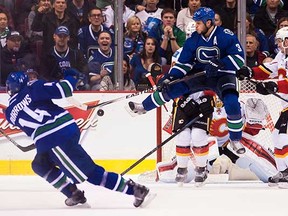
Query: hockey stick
[[119, 99], [162, 144], [269, 91], [22, 148]]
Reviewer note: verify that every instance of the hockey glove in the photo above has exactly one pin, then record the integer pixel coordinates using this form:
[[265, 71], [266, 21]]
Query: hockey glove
[[213, 66], [266, 88], [206, 105], [77, 79], [244, 72], [164, 82]]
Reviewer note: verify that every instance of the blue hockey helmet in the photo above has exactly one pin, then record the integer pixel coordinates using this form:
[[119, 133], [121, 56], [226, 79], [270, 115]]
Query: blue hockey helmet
[[204, 14], [16, 81]]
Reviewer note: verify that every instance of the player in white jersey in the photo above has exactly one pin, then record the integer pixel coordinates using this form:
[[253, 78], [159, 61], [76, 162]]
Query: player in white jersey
[[258, 159], [277, 68]]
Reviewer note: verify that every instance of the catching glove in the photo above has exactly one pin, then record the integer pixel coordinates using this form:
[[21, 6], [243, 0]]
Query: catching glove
[[244, 72], [266, 88], [206, 105], [213, 66]]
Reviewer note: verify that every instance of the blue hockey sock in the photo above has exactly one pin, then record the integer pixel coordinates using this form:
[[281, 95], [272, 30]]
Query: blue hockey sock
[[234, 117]]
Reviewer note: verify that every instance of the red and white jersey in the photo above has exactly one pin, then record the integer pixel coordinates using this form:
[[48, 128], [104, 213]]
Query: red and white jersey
[[218, 127]]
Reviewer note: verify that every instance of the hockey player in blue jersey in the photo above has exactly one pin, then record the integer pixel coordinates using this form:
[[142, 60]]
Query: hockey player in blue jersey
[[59, 155], [215, 51]]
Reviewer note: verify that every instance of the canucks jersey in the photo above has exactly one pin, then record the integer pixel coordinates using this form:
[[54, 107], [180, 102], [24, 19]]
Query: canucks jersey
[[33, 111], [198, 51], [88, 39], [105, 62]]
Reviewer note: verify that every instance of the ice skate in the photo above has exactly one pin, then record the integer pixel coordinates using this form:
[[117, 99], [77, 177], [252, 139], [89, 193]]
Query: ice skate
[[181, 176], [142, 194], [282, 179], [135, 109], [237, 146], [76, 198], [201, 175]]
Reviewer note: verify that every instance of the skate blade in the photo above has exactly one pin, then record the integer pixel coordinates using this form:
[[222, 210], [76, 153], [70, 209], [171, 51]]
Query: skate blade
[[80, 206], [272, 184], [200, 184], [148, 199], [283, 185]]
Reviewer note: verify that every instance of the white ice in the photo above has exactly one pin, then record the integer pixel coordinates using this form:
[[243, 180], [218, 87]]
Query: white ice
[[32, 196]]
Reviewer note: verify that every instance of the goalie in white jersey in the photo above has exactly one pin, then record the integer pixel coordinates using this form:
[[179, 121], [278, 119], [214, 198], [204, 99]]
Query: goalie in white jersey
[[277, 68]]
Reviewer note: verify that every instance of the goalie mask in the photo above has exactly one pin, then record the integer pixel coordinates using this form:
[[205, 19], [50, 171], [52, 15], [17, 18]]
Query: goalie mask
[[15, 82]]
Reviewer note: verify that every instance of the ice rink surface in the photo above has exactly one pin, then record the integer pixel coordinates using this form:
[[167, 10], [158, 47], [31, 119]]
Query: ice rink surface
[[32, 196]]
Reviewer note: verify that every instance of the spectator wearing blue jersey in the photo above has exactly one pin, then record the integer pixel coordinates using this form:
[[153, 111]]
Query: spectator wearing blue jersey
[[88, 35], [59, 158], [140, 63], [134, 37], [101, 63], [216, 54], [168, 35], [62, 57]]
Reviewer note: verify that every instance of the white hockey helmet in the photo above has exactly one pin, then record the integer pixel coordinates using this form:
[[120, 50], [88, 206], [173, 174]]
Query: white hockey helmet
[[282, 34]]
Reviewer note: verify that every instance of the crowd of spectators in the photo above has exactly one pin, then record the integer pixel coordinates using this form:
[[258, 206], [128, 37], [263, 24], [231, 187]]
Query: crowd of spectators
[[49, 36]]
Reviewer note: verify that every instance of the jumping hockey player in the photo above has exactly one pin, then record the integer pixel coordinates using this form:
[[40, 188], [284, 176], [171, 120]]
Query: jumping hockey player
[[275, 69], [216, 51], [59, 156]]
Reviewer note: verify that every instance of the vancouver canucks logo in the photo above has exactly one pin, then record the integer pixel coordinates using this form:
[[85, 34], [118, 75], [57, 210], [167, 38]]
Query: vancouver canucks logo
[[205, 54]]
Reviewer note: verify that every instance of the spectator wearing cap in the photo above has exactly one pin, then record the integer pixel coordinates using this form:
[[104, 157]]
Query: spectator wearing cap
[[15, 56], [48, 22], [62, 57]]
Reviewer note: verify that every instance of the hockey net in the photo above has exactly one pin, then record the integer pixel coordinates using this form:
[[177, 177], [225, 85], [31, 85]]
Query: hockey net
[[247, 90]]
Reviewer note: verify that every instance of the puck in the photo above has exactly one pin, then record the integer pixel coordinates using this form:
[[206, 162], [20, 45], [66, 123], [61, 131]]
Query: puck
[[100, 112]]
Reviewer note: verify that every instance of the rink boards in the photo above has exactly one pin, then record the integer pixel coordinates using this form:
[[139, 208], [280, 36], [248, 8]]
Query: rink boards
[[115, 140]]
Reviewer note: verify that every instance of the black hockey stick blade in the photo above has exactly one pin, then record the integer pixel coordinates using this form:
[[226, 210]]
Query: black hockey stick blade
[[22, 148], [27, 148], [162, 144]]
